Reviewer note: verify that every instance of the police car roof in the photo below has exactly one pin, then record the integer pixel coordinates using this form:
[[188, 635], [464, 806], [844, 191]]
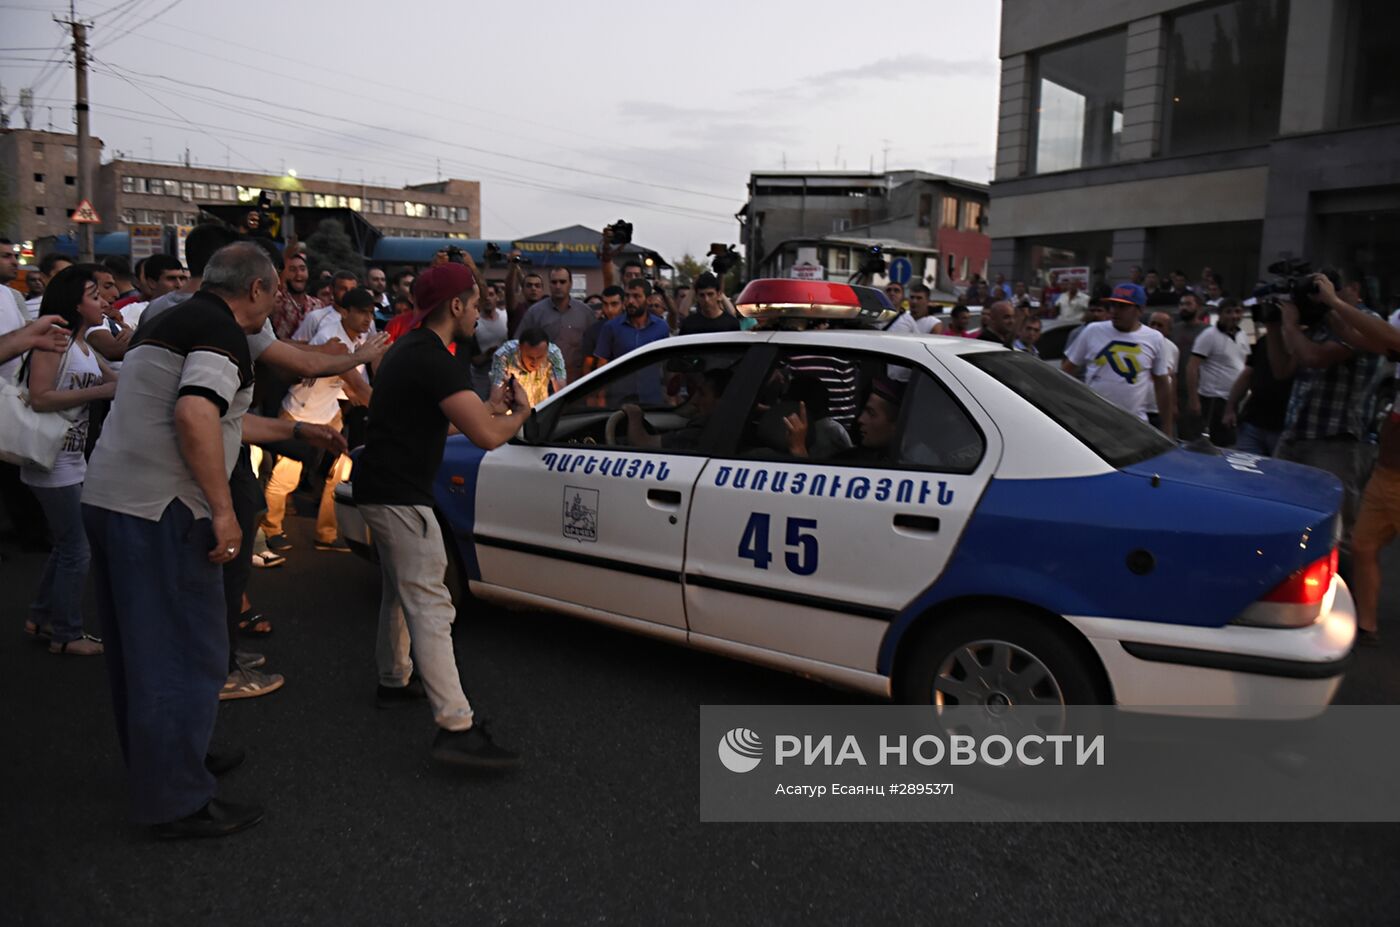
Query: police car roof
[[863, 339]]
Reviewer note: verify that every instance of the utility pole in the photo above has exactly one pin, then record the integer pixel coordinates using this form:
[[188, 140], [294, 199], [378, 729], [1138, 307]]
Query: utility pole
[[84, 155]]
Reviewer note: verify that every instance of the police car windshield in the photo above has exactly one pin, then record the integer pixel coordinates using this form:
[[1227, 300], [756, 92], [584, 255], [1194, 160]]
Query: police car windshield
[[1119, 438]]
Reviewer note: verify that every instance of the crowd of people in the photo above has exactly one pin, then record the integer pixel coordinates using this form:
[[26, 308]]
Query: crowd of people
[[201, 394]]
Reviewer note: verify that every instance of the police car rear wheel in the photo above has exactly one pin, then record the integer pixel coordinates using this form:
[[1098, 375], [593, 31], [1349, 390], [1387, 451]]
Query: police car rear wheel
[[996, 659]]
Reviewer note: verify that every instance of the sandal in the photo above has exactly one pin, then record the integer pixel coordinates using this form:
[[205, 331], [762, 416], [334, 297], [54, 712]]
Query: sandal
[[38, 632], [85, 646], [254, 624]]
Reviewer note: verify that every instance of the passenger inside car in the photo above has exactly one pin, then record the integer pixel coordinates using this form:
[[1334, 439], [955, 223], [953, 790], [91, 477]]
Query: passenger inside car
[[877, 425]]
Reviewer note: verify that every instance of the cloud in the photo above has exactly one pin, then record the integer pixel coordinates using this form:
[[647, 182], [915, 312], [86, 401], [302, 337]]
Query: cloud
[[897, 68]]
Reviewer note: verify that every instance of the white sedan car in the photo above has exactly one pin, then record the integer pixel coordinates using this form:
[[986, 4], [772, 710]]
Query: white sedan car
[[959, 525]]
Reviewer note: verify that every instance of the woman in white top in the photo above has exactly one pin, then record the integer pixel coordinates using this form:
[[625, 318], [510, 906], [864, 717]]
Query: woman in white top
[[490, 334], [62, 383]]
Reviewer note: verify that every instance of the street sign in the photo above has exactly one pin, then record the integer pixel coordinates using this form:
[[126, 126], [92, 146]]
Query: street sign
[[807, 270], [901, 270], [85, 214], [146, 240]]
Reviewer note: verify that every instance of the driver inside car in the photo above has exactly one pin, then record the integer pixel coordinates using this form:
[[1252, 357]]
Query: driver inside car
[[701, 405]]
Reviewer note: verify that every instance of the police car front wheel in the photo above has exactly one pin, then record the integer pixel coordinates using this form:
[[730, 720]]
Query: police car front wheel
[[1001, 658]]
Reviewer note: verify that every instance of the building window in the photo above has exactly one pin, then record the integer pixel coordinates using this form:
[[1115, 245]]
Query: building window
[[229, 193], [38, 210], [1079, 107], [128, 184], [39, 149], [925, 210], [38, 178], [172, 188], [840, 261], [972, 216], [1224, 76], [1373, 83], [952, 267], [201, 191], [70, 180], [948, 217], [964, 269], [187, 190], [70, 154]]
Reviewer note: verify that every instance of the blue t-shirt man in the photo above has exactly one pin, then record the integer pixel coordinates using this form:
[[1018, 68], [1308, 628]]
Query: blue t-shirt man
[[629, 331]]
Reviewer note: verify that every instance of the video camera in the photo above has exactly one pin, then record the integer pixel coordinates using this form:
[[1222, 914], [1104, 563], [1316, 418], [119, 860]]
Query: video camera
[[495, 257], [723, 258], [1293, 277], [621, 232], [874, 262]]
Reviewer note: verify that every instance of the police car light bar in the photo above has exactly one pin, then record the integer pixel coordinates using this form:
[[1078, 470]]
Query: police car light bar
[[815, 300]]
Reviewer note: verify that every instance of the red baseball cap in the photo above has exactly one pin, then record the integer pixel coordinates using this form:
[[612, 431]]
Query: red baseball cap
[[441, 282]]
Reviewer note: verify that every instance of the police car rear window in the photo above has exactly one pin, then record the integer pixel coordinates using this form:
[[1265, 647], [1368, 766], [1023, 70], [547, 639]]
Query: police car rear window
[[1119, 438]]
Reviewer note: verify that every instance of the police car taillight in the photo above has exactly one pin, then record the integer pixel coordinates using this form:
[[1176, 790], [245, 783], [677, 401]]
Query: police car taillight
[[1308, 585], [1298, 600]]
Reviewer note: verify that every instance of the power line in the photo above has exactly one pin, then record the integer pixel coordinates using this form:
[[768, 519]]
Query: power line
[[677, 209], [487, 174], [432, 140], [415, 92], [128, 16]]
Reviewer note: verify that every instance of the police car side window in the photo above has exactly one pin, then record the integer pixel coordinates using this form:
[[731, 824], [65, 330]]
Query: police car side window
[[662, 401], [938, 434], [858, 409]]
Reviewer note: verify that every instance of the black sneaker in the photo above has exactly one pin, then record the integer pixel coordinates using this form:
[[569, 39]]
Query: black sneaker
[[472, 748], [337, 546], [216, 819], [401, 696], [279, 543]]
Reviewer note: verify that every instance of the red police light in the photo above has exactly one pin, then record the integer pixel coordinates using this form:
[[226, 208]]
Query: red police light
[[815, 300]]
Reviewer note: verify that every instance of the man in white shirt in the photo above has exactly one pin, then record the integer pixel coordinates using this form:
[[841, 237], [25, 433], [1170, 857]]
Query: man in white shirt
[[1072, 303], [341, 284], [316, 401], [1124, 361], [1217, 360]]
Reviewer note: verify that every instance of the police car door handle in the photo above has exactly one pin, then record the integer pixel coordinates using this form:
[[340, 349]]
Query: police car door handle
[[664, 498], [917, 524]]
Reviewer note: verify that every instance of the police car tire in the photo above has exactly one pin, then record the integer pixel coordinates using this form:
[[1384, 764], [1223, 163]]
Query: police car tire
[[1074, 667], [456, 577]]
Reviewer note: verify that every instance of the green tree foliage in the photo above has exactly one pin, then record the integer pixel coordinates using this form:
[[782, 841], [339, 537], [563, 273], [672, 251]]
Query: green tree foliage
[[688, 267], [330, 249]]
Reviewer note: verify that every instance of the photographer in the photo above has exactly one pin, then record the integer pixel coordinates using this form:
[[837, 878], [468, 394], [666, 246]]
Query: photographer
[[1328, 409], [520, 296], [1359, 326]]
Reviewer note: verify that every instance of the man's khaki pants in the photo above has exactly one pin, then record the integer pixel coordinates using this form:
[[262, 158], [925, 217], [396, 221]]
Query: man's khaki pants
[[286, 475], [415, 609]]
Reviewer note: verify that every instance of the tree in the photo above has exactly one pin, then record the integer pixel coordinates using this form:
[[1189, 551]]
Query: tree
[[689, 266], [330, 249]]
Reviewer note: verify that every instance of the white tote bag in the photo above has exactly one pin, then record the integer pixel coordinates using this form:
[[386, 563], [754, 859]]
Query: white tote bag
[[28, 437]]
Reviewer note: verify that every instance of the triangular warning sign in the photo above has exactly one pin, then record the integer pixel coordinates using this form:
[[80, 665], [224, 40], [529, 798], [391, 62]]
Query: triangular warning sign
[[85, 214]]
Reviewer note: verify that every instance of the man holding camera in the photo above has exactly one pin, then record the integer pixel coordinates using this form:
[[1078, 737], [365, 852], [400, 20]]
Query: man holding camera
[[1334, 376]]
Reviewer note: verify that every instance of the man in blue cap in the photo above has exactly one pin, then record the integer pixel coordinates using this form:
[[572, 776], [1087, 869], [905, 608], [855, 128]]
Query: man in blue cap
[[1123, 360]]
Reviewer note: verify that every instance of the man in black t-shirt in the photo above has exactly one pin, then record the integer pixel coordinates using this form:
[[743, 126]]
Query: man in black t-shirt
[[419, 390], [1261, 425], [709, 316]]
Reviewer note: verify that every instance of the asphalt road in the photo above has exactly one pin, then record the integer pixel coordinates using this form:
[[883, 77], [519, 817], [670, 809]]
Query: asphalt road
[[600, 826]]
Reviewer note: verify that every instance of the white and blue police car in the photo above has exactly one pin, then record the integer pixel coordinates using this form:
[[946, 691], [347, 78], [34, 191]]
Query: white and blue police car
[[959, 525]]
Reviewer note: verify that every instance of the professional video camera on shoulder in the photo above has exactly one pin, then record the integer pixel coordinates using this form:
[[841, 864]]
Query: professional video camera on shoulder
[[1293, 279]]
